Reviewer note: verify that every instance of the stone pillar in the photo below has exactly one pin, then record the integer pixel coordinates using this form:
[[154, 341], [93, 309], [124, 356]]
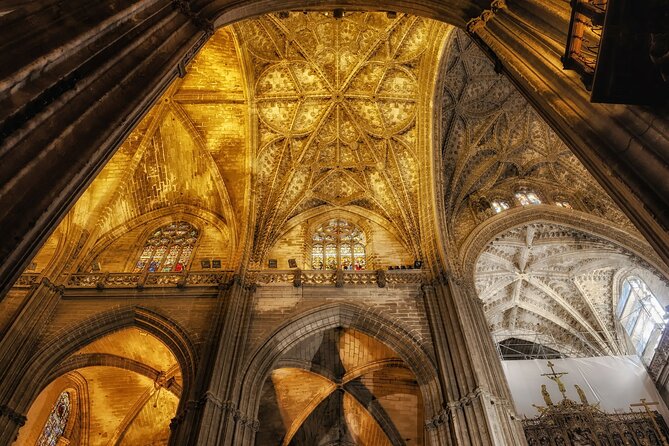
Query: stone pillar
[[211, 415], [16, 348], [478, 409], [623, 147]]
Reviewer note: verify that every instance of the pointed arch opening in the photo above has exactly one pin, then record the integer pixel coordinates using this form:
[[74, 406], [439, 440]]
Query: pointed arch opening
[[641, 315]]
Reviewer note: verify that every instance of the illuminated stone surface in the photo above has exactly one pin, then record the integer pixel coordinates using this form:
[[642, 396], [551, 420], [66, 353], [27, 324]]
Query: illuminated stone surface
[[281, 123]]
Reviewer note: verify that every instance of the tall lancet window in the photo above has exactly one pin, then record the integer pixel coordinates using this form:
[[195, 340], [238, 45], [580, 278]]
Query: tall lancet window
[[642, 316], [168, 248], [338, 244], [56, 423]]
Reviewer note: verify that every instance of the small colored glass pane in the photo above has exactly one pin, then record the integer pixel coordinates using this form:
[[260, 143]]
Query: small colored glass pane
[[184, 258], [144, 258], [331, 256], [168, 248], [171, 258], [346, 257], [157, 259], [499, 206], [317, 256], [564, 204], [56, 423], [360, 263], [358, 236]]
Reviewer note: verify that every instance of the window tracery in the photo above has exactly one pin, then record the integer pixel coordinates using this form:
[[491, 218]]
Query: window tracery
[[641, 315], [338, 244], [57, 421], [168, 248]]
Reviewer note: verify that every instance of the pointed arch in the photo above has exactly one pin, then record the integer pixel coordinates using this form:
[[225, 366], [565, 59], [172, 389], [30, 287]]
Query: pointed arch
[[475, 243], [65, 343], [408, 345]]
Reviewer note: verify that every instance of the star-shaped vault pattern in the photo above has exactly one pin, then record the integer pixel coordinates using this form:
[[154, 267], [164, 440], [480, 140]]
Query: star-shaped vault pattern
[[336, 104]]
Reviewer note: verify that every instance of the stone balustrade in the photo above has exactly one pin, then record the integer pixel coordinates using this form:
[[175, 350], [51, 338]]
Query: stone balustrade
[[140, 280]]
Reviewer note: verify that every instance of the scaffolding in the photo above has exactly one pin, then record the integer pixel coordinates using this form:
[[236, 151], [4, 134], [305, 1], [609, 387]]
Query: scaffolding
[[538, 345]]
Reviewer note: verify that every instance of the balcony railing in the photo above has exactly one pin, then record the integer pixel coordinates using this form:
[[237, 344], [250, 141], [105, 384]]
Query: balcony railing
[[619, 48], [584, 38], [336, 278]]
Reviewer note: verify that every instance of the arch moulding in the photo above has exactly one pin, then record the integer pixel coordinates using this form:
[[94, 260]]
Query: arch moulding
[[65, 343]]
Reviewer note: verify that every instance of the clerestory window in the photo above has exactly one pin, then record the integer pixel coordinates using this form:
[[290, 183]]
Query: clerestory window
[[526, 198], [642, 316], [499, 206], [168, 248], [338, 244]]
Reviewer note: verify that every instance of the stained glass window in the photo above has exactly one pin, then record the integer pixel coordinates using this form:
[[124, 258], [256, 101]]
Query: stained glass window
[[56, 423], [526, 198], [564, 204], [499, 206], [642, 316], [338, 244], [168, 248]]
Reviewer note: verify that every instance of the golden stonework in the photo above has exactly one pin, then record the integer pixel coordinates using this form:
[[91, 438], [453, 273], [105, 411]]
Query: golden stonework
[[336, 103]]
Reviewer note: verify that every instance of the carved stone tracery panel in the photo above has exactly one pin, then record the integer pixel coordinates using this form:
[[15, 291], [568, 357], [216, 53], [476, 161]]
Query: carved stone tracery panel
[[494, 144]]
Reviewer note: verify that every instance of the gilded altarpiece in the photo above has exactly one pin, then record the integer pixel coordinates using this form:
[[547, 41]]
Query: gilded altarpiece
[[581, 423]]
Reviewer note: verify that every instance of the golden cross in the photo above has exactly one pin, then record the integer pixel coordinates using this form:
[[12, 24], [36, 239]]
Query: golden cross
[[646, 405], [556, 377]]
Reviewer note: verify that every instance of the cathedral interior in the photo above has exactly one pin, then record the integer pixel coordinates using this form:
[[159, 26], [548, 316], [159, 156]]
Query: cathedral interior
[[307, 223]]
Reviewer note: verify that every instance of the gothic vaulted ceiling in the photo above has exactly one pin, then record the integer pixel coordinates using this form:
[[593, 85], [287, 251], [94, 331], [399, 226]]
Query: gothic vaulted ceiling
[[276, 116], [337, 103], [341, 387], [494, 142], [189, 152], [131, 360], [557, 286]]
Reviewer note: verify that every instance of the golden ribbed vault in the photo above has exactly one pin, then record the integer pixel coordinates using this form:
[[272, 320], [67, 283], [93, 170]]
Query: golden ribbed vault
[[337, 103]]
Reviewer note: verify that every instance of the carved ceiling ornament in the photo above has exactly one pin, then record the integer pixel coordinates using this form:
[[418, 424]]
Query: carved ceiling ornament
[[555, 285], [494, 144], [336, 103]]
